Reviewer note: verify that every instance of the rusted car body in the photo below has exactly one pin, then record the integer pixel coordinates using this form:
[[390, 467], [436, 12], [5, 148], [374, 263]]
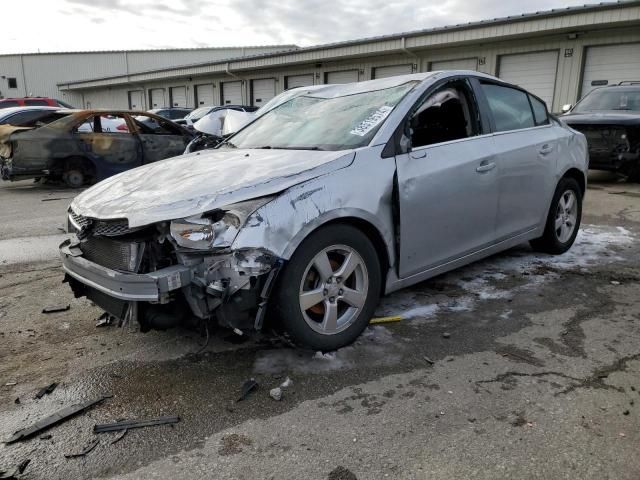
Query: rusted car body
[[90, 145]]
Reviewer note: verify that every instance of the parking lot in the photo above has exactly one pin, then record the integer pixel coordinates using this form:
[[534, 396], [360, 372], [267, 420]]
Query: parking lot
[[519, 366]]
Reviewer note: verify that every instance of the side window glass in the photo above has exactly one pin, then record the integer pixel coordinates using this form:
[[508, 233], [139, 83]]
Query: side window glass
[[88, 126], [540, 114], [509, 106], [444, 116], [35, 102]]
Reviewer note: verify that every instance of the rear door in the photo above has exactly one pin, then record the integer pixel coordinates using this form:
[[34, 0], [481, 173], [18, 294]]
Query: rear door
[[160, 139], [527, 149], [447, 182]]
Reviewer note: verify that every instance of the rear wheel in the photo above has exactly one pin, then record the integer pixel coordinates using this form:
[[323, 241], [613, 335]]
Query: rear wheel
[[563, 219], [329, 290], [74, 177]]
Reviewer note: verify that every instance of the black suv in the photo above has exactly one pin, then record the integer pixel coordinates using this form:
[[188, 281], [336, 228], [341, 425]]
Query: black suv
[[610, 119]]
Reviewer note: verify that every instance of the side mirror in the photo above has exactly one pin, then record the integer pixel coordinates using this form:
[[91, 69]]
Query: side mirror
[[566, 108]]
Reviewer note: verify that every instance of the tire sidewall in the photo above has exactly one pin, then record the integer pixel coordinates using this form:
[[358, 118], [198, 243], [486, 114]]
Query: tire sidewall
[[286, 306], [564, 185]]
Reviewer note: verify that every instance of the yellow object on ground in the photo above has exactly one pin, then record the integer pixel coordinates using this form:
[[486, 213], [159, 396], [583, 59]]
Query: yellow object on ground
[[396, 318]]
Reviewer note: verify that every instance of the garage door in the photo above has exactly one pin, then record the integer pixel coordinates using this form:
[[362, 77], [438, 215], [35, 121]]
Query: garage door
[[346, 76], [178, 96], [136, 100], [157, 98], [611, 64], [535, 72], [204, 95], [459, 64], [231, 93], [293, 81], [262, 91], [392, 71]]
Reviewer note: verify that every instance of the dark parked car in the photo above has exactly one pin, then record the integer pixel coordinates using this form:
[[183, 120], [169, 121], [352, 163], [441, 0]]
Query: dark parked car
[[84, 146], [31, 116], [610, 119], [172, 113], [32, 102]]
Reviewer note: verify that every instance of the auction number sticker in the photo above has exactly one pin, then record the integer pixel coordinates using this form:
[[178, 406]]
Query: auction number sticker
[[174, 281], [372, 121]]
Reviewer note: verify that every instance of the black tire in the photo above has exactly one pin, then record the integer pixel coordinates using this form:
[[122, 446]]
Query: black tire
[[549, 242], [74, 177], [285, 301], [634, 174]]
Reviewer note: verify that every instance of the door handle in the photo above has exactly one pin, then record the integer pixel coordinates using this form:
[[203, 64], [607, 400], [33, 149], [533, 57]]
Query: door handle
[[546, 149], [418, 154], [485, 167]]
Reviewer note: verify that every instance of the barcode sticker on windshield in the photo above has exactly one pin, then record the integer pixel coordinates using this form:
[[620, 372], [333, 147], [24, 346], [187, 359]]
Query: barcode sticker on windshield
[[372, 121]]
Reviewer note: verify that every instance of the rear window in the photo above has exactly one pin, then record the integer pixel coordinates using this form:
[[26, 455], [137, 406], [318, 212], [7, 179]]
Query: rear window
[[510, 107], [35, 102], [540, 114], [9, 103]]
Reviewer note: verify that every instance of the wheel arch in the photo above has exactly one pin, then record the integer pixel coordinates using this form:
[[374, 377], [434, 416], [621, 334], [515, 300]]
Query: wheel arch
[[60, 164], [578, 176]]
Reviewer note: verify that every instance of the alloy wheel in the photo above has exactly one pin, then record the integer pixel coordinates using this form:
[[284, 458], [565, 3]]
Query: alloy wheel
[[566, 216]]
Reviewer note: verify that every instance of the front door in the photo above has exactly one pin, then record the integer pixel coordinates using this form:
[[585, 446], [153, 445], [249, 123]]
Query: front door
[[160, 139], [447, 183]]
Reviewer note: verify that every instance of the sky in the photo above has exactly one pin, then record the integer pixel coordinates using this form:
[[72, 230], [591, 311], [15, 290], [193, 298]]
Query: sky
[[73, 25]]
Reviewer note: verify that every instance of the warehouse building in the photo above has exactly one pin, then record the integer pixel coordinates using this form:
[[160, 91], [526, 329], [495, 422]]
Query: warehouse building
[[559, 54], [37, 74]]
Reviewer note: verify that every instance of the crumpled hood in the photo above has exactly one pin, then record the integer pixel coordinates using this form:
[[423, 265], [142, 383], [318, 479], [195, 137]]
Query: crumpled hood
[[196, 183]]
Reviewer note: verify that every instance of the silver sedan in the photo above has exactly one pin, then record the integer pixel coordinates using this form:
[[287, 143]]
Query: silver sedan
[[306, 216]]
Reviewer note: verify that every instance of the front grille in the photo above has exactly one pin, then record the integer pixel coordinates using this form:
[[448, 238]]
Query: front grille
[[113, 254], [604, 139], [104, 228]]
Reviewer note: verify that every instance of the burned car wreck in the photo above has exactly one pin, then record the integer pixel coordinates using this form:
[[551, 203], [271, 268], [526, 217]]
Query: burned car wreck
[[309, 213], [88, 145]]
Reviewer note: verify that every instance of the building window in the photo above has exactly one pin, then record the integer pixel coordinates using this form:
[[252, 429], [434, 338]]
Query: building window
[[13, 83]]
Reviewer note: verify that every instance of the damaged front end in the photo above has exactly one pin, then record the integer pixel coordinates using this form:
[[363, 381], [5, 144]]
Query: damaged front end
[[179, 272]]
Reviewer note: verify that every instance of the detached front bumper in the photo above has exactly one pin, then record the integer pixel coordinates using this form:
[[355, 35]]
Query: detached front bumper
[[147, 287]]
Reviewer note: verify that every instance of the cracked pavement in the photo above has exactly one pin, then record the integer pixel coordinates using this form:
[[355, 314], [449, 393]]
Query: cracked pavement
[[538, 378]]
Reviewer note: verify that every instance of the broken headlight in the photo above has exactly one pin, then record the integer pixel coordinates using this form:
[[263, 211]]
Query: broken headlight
[[204, 233]]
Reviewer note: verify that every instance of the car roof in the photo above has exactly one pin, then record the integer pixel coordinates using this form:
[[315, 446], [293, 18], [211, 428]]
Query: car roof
[[7, 112]]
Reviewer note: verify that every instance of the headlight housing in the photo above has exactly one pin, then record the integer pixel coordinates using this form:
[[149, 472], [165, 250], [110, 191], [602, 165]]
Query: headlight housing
[[204, 233]]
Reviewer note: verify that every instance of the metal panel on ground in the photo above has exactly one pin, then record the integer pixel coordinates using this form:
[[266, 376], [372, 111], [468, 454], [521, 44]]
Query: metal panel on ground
[[231, 93], [535, 72], [204, 95], [156, 95], [178, 96], [262, 91], [458, 64], [136, 100], [293, 81], [392, 71], [345, 76], [609, 65]]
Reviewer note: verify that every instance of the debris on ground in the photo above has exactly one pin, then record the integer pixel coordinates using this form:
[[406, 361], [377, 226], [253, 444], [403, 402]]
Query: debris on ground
[[104, 320], [325, 356], [615, 282], [232, 444], [10, 384], [375, 321], [428, 360], [46, 437], [17, 401], [129, 424], [276, 394], [287, 383], [247, 388], [446, 335], [119, 437], [341, 473], [46, 390], [51, 420], [16, 472], [86, 450], [54, 309]]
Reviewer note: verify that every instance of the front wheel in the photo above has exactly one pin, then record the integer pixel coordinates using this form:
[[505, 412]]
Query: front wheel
[[329, 290], [563, 220]]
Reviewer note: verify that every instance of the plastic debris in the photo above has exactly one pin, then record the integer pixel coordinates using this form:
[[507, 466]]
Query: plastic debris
[[247, 388], [325, 356], [120, 437], [129, 424], [395, 318], [287, 383], [46, 390], [104, 320], [615, 282], [446, 335], [86, 450], [55, 309], [276, 393], [51, 420], [428, 360]]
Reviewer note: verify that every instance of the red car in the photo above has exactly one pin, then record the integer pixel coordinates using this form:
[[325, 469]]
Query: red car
[[32, 102]]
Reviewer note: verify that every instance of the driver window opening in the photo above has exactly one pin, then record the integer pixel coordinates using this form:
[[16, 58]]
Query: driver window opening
[[444, 116]]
